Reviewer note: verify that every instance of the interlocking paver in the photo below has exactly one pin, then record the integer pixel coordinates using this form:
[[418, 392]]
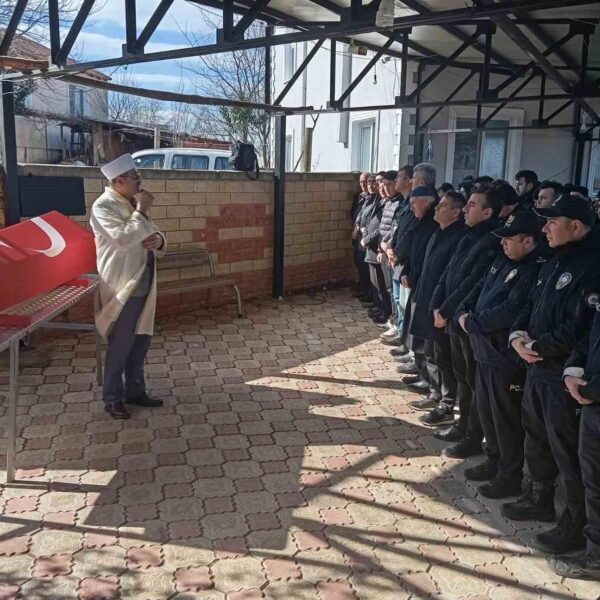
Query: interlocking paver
[[286, 464]]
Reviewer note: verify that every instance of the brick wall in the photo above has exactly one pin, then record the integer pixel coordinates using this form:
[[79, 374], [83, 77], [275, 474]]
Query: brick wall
[[232, 218]]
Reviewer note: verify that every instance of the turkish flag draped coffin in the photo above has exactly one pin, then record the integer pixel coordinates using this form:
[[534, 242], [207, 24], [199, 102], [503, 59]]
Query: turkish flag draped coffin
[[41, 254]]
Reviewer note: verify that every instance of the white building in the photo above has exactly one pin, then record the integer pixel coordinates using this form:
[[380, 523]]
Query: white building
[[49, 118], [373, 140]]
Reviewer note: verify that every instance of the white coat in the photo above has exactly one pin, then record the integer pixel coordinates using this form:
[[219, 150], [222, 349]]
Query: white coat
[[119, 230]]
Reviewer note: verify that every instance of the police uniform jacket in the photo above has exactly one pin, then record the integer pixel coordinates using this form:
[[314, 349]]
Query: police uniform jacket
[[492, 305], [552, 315], [584, 361], [474, 254], [440, 248], [371, 238]]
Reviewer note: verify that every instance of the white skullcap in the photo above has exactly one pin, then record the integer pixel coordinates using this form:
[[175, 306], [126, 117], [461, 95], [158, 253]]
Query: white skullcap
[[118, 166]]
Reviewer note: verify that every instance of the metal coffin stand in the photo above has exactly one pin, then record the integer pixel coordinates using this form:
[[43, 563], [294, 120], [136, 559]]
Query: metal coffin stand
[[41, 310]]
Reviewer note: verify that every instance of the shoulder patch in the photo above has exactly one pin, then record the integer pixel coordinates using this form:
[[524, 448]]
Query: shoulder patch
[[511, 275], [493, 270], [593, 300], [564, 280]]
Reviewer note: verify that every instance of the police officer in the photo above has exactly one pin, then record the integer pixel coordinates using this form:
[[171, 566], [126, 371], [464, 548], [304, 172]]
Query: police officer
[[474, 254], [486, 315], [582, 378], [544, 334], [440, 247]]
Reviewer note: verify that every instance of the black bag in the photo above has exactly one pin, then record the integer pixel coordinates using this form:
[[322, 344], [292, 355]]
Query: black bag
[[243, 158]]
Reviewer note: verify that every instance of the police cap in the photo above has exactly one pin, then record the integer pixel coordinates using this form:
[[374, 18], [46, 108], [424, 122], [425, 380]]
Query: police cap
[[523, 221], [570, 206]]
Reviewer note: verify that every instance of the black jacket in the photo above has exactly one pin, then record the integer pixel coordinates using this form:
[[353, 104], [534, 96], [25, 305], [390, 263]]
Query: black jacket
[[404, 221], [371, 238], [552, 315], [418, 237], [473, 255], [390, 208], [586, 355], [357, 206], [492, 305], [440, 248]]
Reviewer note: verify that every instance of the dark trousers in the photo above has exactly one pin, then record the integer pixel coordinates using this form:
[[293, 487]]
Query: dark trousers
[[463, 366], [387, 273], [498, 394], [362, 268], [125, 355], [440, 373], [589, 457], [381, 298], [551, 421]]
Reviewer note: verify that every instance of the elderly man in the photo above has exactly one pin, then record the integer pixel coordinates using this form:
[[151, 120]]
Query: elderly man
[[127, 242]]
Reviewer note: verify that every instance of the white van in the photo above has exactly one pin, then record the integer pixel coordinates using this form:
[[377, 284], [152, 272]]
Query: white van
[[203, 159]]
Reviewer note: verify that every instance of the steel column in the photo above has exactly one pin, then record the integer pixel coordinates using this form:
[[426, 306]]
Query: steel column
[[130, 26], [13, 394], [54, 26], [332, 73], [12, 206], [279, 206], [268, 65], [513, 94]]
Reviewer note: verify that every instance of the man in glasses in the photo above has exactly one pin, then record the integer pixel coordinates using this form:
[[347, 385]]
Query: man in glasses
[[127, 244]]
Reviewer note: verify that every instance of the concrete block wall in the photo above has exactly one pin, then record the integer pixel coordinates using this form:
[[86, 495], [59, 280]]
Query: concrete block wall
[[232, 217]]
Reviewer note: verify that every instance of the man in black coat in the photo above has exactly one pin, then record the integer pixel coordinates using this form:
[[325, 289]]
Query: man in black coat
[[422, 205], [440, 247], [364, 284], [582, 378], [474, 254], [526, 184], [544, 334], [486, 316]]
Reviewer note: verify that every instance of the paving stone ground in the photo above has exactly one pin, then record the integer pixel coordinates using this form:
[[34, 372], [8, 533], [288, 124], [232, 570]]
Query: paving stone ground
[[285, 465]]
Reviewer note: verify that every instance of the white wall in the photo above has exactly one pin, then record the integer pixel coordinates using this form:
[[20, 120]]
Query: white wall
[[548, 152], [328, 154]]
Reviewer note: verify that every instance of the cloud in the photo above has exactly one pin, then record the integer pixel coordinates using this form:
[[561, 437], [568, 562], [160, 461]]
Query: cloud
[[96, 45]]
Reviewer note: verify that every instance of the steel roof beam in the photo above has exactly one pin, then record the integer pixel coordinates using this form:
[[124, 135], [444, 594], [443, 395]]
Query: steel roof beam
[[299, 71], [459, 34], [11, 28], [61, 56]]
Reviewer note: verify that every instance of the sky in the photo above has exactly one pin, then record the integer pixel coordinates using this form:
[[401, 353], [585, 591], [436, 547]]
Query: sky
[[104, 34]]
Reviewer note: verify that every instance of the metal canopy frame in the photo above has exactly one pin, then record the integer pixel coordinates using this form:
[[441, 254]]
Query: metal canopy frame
[[343, 25]]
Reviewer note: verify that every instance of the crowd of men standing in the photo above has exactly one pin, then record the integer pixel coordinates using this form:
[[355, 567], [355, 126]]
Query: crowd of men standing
[[489, 297]]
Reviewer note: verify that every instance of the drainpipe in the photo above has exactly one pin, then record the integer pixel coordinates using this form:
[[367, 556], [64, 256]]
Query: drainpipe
[[346, 80], [303, 119]]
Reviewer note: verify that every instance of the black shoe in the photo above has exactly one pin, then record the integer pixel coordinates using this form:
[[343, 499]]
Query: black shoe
[[408, 368], [367, 304], [117, 410], [438, 416], [500, 487], [419, 387], [537, 504], [397, 352], [366, 299], [144, 400], [396, 342], [581, 566], [424, 404], [452, 434], [405, 358], [463, 449], [380, 319], [566, 537], [374, 311], [482, 472]]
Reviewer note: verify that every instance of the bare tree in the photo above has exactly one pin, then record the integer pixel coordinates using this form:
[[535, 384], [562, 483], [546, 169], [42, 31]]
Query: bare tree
[[237, 75], [34, 22]]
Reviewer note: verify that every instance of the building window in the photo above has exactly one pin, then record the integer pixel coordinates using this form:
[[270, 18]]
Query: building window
[[363, 145], [289, 67], [500, 151], [76, 101], [289, 153], [594, 179]]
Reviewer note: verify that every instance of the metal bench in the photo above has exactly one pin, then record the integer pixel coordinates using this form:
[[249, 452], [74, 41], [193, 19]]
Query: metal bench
[[194, 258]]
